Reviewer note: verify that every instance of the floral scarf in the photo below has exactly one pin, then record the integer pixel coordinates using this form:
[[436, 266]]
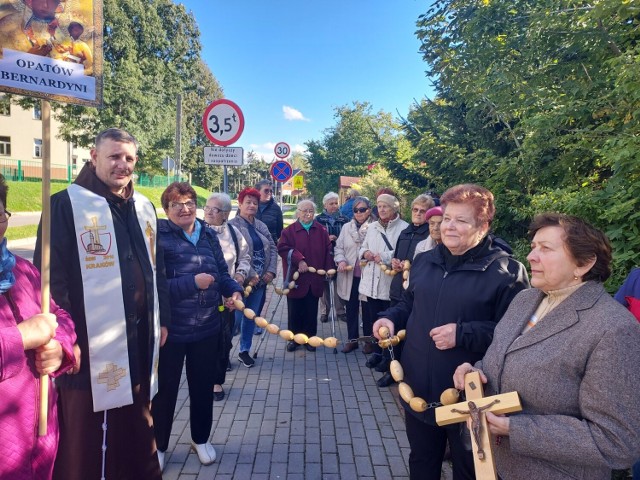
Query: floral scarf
[[7, 262]]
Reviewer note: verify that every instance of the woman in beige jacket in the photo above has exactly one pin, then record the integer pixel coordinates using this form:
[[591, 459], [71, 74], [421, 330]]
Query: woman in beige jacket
[[378, 249], [346, 254]]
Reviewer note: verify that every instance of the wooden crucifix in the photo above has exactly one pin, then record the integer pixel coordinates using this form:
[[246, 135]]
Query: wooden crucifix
[[474, 408]]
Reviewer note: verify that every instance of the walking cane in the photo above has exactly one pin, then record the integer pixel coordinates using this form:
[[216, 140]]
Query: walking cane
[[285, 281], [332, 313]]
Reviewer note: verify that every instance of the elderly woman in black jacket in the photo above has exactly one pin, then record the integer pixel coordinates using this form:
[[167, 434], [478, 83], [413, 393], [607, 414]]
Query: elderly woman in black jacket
[[457, 293], [198, 278]]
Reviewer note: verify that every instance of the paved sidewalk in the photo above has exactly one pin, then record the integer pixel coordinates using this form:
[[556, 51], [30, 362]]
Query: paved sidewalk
[[294, 415], [298, 415]]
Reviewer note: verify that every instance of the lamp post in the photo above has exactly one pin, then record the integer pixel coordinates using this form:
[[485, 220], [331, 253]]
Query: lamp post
[[178, 151]]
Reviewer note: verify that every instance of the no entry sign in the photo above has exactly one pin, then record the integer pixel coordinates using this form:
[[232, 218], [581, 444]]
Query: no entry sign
[[281, 171], [223, 122]]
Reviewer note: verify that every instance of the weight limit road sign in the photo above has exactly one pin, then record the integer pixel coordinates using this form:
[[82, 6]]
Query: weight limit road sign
[[223, 122]]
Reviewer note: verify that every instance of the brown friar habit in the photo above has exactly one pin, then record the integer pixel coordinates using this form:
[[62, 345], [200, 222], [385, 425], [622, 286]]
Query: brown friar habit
[[131, 449]]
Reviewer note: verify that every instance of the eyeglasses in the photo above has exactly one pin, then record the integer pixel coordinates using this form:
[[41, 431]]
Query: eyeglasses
[[5, 216], [307, 212], [215, 210], [267, 190], [177, 206], [421, 211], [360, 210]]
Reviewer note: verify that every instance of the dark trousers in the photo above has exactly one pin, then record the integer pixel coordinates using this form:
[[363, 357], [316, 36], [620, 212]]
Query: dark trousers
[[228, 321], [131, 450], [353, 310], [201, 357], [370, 315], [303, 314], [428, 443]]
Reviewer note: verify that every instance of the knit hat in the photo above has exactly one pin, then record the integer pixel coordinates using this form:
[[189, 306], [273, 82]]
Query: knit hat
[[434, 212], [389, 200]]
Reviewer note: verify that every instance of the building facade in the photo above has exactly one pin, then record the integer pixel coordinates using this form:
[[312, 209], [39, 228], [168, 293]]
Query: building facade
[[21, 145]]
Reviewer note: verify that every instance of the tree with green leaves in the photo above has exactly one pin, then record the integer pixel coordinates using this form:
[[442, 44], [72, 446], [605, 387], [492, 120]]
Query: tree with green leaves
[[147, 45], [538, 101], [359, 140]]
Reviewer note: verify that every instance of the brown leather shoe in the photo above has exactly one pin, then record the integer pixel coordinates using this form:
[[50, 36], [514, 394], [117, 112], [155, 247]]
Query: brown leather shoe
[[368, 348], [349, 347]]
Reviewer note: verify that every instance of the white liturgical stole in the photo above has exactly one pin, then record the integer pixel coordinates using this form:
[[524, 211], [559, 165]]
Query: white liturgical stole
[[103, 302]]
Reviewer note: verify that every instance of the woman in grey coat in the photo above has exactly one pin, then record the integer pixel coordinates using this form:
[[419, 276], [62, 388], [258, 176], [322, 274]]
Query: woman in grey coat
[[573, 354], [264, 258]]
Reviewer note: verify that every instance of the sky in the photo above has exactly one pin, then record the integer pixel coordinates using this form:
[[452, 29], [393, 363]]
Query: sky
[[289, 63]]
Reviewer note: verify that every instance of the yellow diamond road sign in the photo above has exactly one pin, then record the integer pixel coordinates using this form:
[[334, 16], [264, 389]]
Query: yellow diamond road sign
[[298, 182]]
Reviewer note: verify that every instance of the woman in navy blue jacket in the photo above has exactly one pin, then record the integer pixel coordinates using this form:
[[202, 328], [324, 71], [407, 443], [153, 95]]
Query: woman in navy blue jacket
[[198, 279]]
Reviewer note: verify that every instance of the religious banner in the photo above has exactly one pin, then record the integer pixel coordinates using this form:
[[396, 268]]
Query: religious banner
[[52, 49]]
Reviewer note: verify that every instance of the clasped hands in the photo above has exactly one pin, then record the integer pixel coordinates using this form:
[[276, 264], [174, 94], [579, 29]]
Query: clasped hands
[[372, 257]]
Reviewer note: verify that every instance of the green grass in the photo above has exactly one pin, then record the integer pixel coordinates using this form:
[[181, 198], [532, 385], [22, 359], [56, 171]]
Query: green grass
[[27, 197], [25, 231]]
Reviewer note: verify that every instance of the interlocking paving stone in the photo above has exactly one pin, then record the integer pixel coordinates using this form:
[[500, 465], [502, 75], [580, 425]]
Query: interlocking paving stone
[[297, 416]]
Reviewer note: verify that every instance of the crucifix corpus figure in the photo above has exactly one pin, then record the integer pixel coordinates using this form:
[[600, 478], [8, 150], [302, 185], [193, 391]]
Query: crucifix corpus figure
[[473, 409]]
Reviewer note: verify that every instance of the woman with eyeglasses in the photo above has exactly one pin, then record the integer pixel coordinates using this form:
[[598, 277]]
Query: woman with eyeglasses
[[378, 250], [264, 258], [346, 254], [236, 253], [198, 280], [31, 344], [303, 244]]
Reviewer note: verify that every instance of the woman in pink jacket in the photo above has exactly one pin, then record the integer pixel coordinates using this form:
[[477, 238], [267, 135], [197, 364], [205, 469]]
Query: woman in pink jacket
[[31, 344]]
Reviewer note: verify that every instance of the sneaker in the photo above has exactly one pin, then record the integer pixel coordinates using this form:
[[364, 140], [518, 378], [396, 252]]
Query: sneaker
[[161, 459], [205, 451], [246, 359]]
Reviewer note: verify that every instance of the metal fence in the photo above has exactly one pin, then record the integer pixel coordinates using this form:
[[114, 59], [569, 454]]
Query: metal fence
[[146, 180], [31, 171]]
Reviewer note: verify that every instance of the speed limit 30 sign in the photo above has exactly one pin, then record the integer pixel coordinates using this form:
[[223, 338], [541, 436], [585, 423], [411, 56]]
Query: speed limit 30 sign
[[223, 122], [282, 150]]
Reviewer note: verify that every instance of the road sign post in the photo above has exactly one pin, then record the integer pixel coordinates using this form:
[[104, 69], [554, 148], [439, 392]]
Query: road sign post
[[223, 124]]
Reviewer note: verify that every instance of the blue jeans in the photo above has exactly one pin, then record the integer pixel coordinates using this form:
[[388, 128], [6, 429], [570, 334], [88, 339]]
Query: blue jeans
[[636, 470], [253, 302]]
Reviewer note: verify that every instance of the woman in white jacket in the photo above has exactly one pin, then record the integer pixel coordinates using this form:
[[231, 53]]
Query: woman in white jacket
[[378, 249], [346, 253], [236, 254]]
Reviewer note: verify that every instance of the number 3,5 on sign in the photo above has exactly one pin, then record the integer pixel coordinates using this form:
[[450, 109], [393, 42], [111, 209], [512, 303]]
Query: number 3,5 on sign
[[223, 122]]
